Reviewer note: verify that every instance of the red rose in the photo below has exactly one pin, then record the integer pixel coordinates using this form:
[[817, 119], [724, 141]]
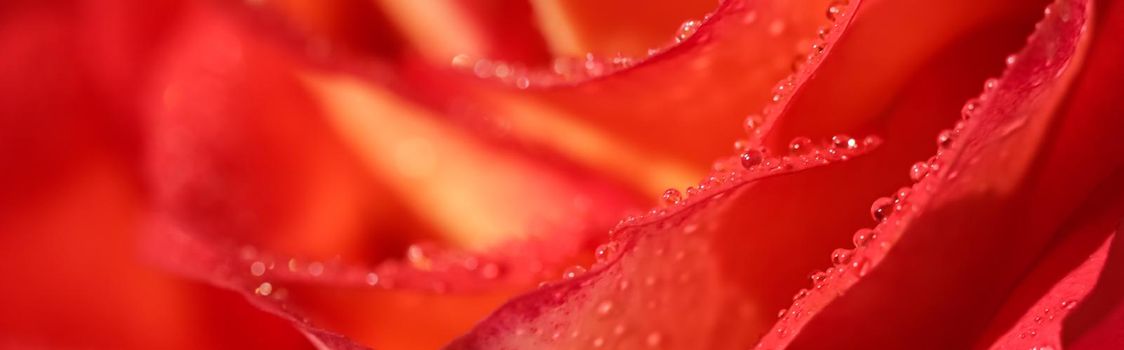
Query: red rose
[[324, 163]]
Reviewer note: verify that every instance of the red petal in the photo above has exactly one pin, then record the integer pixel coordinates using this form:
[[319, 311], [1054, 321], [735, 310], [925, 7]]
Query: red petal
[[781, 243], [1099, 321], [665, 280], [952, 218], [667, 116], [251, 146], [69, 201], [604, 28]]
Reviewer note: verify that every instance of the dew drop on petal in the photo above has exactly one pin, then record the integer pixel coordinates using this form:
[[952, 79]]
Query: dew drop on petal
[[752, 158], [823, 32], [844, 142], [862, 237], [800, 294], [835, 10], [901, 195], [918, 171], [605, 251], [573, 271], [753, 123], [881, 209], [969, 109], [944, 139], [841, 256], [372, 278], [991, 84], [686, 30], [604, 308], [671, 197], [1069, 304], [800, 145], [817, 278]]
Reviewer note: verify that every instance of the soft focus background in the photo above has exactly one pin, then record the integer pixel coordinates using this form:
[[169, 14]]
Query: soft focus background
[[84, 86]]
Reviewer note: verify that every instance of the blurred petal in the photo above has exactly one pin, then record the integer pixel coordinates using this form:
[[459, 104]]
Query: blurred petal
[[669, 115], [574, 28], [268, 169], [69, 203]]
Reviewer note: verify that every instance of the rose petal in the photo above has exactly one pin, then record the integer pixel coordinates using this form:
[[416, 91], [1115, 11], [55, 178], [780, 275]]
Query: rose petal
[[758, 268], [955, 214], [1096, 323], [668, 116], [256, 154], [574, 28], [69, 201], [670, 280]]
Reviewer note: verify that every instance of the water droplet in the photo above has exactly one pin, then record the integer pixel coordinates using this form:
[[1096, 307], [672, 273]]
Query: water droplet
[[372, 278], [823, 32], [686, 30], [753, 123], [944, 139], [653, 339], [841, 256], [918, 171], [598, 342], [969, 109], [800, 145], [800, 294], [257, 268], [817, 278], [901, 195], [818, 48], [605, 251], [991, 84], [604, 308], [1011, 59], [752, 158], [881, 209], [862, 237], [1069, 304], [844, 142], [835, 10], [264, 289], [573, 271]]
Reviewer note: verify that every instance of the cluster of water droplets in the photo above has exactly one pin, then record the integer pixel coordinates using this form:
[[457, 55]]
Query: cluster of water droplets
[[564, 70], [853, 263], [813, 53], [424, 267], [1045, 316]]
